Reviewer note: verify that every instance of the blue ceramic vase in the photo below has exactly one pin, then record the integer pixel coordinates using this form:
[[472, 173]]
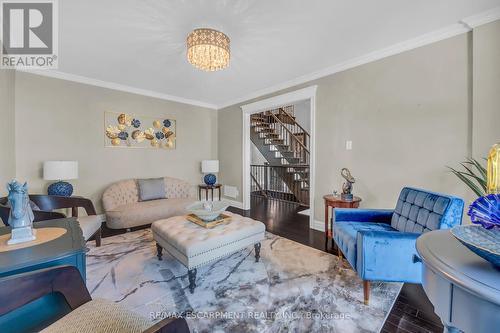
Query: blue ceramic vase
[[60, 188], [210, 179]]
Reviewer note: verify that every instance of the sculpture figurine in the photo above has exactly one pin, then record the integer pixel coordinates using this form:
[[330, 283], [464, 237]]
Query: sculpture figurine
[[347, 186], [21, 216]]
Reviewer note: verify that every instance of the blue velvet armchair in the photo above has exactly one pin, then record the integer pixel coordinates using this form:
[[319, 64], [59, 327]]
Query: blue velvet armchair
[[380, 244]]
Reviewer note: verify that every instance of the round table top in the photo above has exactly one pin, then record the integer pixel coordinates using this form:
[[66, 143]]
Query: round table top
[[447, 257], [337, 198], [69, 243], [209, 186]]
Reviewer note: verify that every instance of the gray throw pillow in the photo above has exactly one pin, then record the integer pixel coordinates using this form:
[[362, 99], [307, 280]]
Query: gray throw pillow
[[151, 189]]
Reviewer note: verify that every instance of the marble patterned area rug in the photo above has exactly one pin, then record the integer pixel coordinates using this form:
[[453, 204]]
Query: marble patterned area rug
[[294, 288]]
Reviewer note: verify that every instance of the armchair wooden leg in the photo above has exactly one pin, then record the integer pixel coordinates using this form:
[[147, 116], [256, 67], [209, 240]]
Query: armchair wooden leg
[[97, 237], [366, 291], [341, 257]]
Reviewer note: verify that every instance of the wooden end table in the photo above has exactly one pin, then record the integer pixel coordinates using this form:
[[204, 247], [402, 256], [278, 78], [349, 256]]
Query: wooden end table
[[209, 188], [334, 201]]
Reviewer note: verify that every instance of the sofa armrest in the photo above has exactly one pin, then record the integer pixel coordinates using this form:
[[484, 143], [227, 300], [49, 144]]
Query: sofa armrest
[[51, 202], [21, 289], [388, 256], [363, 215]]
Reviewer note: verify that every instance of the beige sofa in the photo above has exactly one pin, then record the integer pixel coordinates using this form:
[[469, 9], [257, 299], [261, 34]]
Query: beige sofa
[[124, 210]]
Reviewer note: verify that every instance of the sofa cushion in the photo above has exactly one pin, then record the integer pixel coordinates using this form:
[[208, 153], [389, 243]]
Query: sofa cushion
[[345, 235], [151, 189], [146, 212], [100, 316], [89, 225], [418, 211]]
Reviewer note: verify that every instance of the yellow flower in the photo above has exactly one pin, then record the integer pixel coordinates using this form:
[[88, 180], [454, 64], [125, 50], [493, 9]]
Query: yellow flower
[[157, 124], [112, 132], [155, 143]]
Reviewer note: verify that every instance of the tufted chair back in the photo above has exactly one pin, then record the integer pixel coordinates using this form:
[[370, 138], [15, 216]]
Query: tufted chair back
[[420, 211], [126, 192]]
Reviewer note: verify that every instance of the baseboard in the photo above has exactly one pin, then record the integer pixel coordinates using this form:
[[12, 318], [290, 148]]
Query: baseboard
[[306, 212], [234, 203], [319, 225]]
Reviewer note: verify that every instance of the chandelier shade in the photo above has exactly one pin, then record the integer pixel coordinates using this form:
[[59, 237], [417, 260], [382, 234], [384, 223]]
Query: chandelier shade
[[208, 49]]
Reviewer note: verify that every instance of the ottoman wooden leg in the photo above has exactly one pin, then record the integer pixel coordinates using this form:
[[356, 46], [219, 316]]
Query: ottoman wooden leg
[[257, 252], [192, 279], [159, 250]]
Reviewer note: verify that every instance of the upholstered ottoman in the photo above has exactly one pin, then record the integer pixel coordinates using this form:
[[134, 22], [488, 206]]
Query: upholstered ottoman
[[195, 246]]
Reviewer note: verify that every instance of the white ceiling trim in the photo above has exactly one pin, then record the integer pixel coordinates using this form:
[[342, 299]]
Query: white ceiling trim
[[117, 86], [465, 25], [451, 31], [483, 18]]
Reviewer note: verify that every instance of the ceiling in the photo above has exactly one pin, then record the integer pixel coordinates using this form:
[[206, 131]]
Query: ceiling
[[141, 43]]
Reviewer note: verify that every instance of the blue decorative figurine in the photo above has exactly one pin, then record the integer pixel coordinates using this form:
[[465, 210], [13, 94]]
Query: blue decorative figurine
[[21, 216]]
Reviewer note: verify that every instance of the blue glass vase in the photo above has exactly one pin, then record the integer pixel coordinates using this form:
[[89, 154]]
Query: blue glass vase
[[210, 179], [60, 188]]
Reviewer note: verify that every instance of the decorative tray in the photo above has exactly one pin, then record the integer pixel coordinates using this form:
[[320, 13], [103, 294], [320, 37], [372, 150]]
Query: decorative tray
[[221, 219], [483, 242]]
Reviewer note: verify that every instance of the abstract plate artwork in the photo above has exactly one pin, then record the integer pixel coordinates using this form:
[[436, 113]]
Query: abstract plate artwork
[[134, 131]]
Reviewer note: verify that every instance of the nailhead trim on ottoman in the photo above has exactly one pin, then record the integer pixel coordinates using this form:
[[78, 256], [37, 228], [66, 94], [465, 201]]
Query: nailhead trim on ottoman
[[195, 246]]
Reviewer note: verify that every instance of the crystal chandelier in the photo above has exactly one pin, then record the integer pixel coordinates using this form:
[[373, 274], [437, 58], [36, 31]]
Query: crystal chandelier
[[208, 49]]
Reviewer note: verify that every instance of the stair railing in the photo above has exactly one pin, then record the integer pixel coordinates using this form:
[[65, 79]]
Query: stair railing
[[296, 126], [291, 140], [280, 182]]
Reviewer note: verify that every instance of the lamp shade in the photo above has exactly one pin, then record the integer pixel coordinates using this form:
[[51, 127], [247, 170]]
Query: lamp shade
[[209, 166], [60, 170]]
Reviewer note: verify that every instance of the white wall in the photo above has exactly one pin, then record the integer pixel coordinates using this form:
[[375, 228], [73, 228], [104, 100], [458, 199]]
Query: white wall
[[7, 145], [407, 115], [303, 114], [256, 156], [62, 120], [486, 92]]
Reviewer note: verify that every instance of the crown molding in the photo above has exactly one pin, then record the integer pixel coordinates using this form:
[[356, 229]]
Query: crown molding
[[483, 18], [117, 86], [435, 36], [463, 26]]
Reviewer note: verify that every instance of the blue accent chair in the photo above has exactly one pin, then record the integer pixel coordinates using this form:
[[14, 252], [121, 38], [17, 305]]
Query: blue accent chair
[[380, 244]]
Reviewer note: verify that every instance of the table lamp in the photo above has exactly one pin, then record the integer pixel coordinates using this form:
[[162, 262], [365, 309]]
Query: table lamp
[[60, 171], [209, 167]]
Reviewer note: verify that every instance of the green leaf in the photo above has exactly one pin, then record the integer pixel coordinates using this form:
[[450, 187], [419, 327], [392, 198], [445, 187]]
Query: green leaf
[[478, 166], [468, 182], [481, 181]]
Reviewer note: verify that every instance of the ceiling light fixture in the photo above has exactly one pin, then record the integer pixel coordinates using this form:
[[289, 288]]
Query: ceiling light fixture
[[208, 49]]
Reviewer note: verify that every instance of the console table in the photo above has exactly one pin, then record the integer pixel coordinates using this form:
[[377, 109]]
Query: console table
[[463, 287], [67, 249]]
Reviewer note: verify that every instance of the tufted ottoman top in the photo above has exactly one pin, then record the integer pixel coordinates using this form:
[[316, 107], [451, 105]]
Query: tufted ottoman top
[[192, 239]]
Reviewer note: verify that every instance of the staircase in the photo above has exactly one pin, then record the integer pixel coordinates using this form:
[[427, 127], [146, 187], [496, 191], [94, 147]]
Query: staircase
[[285, 146]]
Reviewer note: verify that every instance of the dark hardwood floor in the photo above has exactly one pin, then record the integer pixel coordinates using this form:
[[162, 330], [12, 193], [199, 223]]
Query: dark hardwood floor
[[412, 311]]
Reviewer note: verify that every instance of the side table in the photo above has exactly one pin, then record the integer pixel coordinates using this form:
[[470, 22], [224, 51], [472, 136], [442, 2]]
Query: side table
[[68, 249], [463, 287], [209, 188], [334, 201]]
